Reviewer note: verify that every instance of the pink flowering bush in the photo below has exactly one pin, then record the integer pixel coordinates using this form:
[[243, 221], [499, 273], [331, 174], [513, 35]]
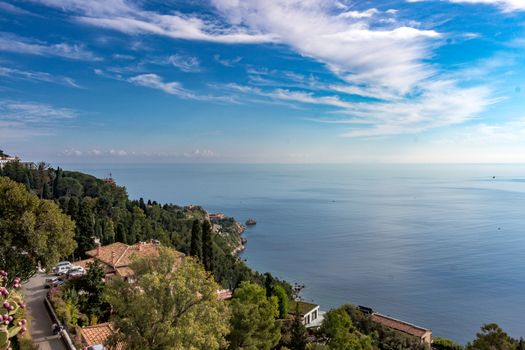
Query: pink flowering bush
[[12, 322]]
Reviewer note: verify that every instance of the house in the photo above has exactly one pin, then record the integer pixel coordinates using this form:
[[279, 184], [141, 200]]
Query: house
[[224, 294], [116, 258], [310, 313], [98, 334], [4, 159], [424, 335], [216, 216]]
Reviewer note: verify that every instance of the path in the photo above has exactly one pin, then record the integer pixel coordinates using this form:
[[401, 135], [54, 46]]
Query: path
[[40, 321]]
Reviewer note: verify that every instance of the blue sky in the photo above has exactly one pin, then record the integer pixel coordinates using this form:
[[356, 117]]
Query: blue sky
[[286, 81]]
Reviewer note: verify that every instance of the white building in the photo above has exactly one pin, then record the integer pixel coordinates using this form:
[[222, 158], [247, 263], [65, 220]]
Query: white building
[[311, 315]]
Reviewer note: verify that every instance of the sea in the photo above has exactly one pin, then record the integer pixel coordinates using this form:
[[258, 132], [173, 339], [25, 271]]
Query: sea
[[440, 246]]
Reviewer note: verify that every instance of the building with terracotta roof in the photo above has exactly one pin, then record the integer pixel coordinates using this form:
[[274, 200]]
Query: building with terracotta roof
[[424, 335], [116, 258], [98, 335]]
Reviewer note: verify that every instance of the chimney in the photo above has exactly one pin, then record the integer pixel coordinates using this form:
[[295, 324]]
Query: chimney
[[113, 258], [98, 249], [140, 246]]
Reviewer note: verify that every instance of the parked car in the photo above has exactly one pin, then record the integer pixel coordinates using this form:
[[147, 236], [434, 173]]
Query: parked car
[[62, 267], [53, 282], [95, 347], [76, 271]]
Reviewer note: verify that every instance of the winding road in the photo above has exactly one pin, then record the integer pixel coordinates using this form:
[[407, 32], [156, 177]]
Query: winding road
[[40, 322]]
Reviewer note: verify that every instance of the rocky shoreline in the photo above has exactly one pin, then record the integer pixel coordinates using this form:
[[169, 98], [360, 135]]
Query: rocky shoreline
[[230, 228]]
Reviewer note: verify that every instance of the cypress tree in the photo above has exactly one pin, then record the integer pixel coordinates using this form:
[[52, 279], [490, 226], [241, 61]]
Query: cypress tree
[[207, 246], [196, 240], [298, 341]]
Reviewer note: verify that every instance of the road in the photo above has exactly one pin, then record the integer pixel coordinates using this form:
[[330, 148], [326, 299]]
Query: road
[[40, 321]]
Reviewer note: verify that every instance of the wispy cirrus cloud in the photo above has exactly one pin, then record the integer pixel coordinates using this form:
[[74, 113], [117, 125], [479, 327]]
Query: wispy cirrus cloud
[[126, 17], [185, 63], [350, 47], [155, 81], [7, 7], [505, 5], [13, 43], [23, 120], [227, 62], [370, 53], [14, 73]]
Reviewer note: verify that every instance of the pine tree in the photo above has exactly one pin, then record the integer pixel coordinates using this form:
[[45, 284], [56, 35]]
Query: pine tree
[[298, 341], [196, 240], [207, 246]]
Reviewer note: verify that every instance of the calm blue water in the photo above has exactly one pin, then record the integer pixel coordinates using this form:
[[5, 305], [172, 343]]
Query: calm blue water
[[442, 246]]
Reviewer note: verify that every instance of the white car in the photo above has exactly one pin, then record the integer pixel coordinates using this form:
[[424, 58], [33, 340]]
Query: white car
[[76, 271], [95, 347], [53, 282], [62, 267]]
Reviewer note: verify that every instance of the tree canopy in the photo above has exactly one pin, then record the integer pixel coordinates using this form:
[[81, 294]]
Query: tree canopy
[[32, 231], [168, 308], [492, 337], [253, 323], [341, 333]]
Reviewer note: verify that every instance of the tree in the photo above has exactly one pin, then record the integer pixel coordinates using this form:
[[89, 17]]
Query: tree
[[32, 231], [282, 298], [445, 344], [196, 240], [341, 333], [298, 341], [207, 246], [92, 283], [85, 226], [491, 337], [253, 323], [168, 307]]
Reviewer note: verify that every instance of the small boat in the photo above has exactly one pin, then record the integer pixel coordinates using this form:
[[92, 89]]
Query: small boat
[[250, 222]]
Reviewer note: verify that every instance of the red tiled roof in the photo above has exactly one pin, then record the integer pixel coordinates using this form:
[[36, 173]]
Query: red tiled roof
[[224, 294], [83, 263], [98, 334], [118, 256], [399, 325]]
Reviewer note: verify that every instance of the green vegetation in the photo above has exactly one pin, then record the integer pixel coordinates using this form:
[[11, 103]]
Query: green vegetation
[[298, 339], [196, 240], [492, 337], [101, 209], [32, 231], [253, 324], [168, 310], [47, 214], [445, 344], [12, 319], [341, 333]]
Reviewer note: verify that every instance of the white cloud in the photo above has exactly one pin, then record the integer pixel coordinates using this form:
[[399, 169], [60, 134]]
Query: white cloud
[[113, 153], [14, 43], [22, 120], [14, 73], [505, 5], [357, 14], [350, 47], [7, 7], [154, 81], [185, 63], [439, 104], [199, 153], [125, 17], [226, 61]]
